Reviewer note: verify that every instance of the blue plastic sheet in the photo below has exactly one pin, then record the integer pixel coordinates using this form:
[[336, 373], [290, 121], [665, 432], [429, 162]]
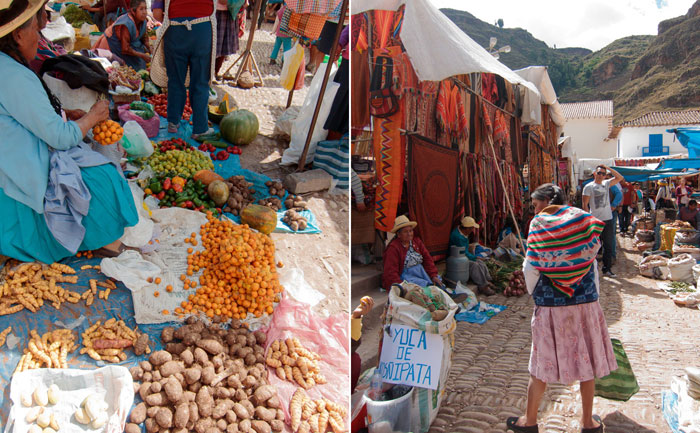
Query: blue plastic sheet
[[119, 305], [311, 228], [669, 405], [475, 316], [689, 138]]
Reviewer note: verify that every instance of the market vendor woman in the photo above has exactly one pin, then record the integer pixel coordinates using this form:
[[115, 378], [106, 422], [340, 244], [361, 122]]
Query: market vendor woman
[[57, 196], [127, 37], [407, 259], [478, 272]]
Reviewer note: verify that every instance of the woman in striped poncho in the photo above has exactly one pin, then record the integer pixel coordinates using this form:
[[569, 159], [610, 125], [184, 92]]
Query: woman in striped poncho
[[570, 340]]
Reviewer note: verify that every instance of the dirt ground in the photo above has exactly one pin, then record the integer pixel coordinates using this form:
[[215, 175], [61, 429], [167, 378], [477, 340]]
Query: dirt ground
[[323, 257], [489, 374]]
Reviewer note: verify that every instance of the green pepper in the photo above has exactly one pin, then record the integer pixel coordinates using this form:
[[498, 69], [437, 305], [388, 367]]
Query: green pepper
[[197, 202], [156, 187]]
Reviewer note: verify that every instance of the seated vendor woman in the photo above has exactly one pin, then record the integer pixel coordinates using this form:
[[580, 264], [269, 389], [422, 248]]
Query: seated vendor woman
[[127, 37], [57, 196], [407, 259], [478, 272]]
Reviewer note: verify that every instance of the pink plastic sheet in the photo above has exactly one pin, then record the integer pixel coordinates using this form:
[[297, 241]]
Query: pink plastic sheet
[[327, 337]]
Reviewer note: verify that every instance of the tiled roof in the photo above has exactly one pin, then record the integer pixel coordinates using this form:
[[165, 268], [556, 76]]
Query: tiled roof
[[666, 118], [588, 110]]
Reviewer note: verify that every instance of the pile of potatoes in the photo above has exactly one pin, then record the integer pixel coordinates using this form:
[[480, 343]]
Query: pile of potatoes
[[212, 380], [295, 202], [275, 188], [240, 194], [295, 221], [273, 203]]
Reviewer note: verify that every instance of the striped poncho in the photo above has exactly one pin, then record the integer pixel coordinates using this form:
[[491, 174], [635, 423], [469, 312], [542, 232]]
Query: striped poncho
[[562, 245]]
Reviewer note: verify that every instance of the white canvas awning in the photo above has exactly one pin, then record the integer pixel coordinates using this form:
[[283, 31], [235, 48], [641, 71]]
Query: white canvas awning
[[438, 49], [532, 114]]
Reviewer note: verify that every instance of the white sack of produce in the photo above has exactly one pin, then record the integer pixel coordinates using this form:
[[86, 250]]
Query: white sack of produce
[[140, 234], [687, 249], [687, 237], [681, 268], [58, 29], [111, 386], [284, 123], [71, 99], [301, 126], [654, 267]]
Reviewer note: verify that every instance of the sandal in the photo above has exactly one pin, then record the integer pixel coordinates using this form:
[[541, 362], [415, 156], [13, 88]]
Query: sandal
[[599, 429], [510, 423]]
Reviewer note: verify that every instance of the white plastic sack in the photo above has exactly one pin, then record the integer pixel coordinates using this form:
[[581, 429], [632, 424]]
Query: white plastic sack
[[681, 268], [687, 237], [654, 267], [296, 286], [293, 58], [471, 300], [696, 273], [301, 126], [687, 249], [426, 402], [284, 123], [112, 383], [58, 29], [71, 99], [139, 235], [131, 269]]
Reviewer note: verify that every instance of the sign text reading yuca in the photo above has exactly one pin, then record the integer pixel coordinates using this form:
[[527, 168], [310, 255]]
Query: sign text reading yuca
[[411, 357]]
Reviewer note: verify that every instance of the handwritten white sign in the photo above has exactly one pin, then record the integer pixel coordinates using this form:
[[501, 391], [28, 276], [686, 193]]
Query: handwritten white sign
[[411, 357]]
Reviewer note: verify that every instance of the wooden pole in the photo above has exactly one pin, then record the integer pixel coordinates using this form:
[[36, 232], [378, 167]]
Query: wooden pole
[[503, 184], [289, 98], [334, 50], [247, 55]]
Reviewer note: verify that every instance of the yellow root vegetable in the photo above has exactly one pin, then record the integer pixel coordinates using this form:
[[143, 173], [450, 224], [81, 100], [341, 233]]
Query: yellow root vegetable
[[3, 335]]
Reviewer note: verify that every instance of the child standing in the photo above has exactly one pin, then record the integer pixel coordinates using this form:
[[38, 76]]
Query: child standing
[[282, 38]]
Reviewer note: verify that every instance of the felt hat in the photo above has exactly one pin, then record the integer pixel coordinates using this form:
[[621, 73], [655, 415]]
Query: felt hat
[[14, 13], [469, 222], [401, 222], [663, 183]]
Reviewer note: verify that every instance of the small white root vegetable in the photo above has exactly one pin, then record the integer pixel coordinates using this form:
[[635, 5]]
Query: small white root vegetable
[[41, 398], [44, 419], [26, 399], [53, 394], [99, 421], [81, 416], [33, 414]]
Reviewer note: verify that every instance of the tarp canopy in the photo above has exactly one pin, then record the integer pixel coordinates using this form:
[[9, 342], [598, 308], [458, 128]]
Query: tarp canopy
[[638, 174], [680, 164], [438, 49], [689, 138], [532, 114]]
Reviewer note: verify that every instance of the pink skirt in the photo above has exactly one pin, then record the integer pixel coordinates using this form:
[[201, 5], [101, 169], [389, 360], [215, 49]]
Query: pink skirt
[[570, 344]]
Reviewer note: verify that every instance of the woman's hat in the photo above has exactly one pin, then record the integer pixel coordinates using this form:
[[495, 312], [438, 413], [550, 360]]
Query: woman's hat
[[401, 222], [663, 183], [469, 222], [14, 13]]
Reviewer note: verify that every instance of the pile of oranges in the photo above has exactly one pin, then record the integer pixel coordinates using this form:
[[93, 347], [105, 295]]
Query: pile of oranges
[[107, 132], [239, 274]]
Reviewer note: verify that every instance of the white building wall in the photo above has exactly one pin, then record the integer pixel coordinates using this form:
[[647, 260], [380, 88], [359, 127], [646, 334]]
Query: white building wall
[[633, 139], [588, 138]]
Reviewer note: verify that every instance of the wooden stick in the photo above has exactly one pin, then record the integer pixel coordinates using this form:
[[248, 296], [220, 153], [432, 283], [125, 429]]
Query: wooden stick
[[247, 54], [334, 50], [503, 184], [289, 98]]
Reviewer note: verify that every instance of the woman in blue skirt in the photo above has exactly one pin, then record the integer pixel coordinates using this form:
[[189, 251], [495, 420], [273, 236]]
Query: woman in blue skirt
[[57, 196]]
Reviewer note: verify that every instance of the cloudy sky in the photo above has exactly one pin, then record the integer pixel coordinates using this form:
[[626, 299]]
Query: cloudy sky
[[584, 23]]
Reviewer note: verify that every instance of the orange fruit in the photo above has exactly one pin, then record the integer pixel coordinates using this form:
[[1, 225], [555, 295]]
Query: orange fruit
[[158, 280], [156, 294]]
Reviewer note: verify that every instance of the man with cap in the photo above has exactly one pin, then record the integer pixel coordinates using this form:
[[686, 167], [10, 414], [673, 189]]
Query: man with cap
[[478, 272]]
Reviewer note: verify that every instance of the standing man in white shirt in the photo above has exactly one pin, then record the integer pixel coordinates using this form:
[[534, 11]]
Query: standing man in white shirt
[[596, 200]]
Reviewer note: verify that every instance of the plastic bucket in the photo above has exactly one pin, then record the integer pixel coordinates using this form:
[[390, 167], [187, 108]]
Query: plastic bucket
[[392, 416]]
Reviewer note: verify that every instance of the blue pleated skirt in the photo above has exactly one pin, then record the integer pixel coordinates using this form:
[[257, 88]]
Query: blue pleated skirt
[[25, 236]]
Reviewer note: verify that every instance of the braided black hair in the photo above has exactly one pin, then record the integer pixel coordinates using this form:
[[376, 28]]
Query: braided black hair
[[9, 46], [550, 193]]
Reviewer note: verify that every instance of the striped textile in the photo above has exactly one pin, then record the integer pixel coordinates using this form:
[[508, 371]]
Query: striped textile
[[562, 245], [620, 384], [333, 156], [316, 7]]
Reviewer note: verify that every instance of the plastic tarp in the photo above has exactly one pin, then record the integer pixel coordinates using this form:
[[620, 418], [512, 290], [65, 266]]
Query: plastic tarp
[[532, 114], [438, 49], [689, 138], [638, 174], [680, 164]]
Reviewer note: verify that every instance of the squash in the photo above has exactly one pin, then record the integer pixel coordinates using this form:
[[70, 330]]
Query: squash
[[218, 191], [239, 127], [207, 177], [261, 218], [217, 112]]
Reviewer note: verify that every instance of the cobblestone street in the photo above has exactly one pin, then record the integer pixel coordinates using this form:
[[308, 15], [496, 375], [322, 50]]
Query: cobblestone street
[[489, 375]]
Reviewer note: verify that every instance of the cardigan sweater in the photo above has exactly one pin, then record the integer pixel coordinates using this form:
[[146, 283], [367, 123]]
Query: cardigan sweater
[[395, 256]]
